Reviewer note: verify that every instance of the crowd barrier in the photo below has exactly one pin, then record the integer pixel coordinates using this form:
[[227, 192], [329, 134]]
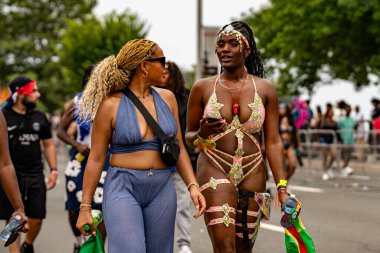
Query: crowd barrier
[[365, 150]]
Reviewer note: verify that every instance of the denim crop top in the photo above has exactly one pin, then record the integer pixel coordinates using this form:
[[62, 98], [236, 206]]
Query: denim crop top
[[127, 135]]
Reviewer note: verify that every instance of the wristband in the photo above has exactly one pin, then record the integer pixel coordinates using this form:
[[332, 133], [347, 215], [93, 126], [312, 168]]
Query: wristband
[[282, 183], [192, 183], [54, 170]]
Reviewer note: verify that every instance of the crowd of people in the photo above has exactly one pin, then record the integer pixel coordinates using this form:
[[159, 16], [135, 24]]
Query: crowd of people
[[340, 126], [225, 129]]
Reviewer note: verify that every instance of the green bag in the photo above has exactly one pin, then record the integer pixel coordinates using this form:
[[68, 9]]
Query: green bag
[[94, 244]]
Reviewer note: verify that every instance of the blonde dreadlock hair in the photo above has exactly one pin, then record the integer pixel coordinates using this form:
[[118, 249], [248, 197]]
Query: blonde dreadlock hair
[[113, 74]]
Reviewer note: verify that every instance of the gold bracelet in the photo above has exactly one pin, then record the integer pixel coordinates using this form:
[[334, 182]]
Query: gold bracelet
[[192, 183], [84, 206]]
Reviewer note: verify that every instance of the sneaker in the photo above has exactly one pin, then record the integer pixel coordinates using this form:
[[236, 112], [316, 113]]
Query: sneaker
[[26, 248], [347, 171], [76, 248], [185, 249], [330, 173], [325, 176]]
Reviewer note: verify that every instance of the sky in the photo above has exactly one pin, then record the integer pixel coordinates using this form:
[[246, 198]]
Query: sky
[[173, 26], [173, 22]]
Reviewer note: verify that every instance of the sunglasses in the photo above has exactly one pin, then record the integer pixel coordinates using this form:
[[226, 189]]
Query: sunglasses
[[161, 60]]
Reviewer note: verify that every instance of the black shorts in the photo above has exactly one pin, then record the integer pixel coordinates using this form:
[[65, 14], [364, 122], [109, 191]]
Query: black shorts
[[33, 193]]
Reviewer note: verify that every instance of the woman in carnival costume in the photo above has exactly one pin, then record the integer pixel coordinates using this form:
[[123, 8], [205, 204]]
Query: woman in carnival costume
[[227, 113]]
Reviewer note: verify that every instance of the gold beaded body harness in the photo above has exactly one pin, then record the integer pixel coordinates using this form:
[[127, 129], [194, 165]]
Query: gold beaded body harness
[[238, 172], [253, 125]]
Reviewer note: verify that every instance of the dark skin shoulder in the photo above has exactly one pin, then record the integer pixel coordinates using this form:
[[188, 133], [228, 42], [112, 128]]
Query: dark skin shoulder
[[199, 95], [112, 104]]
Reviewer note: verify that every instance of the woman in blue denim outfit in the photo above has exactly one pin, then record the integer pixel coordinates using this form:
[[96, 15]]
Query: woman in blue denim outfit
[[139, 201]]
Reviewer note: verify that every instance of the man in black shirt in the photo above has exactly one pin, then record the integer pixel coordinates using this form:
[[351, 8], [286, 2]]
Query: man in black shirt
[[27, 128], [8, 179]]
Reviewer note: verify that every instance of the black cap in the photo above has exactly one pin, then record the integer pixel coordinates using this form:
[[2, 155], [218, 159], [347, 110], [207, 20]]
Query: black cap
[[19, 82]]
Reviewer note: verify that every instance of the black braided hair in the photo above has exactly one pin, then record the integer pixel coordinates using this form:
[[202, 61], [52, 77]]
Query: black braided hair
[[176, 82], [253, 62], [86, 75]]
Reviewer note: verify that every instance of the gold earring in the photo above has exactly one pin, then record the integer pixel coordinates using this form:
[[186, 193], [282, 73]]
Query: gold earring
[[146, 74]]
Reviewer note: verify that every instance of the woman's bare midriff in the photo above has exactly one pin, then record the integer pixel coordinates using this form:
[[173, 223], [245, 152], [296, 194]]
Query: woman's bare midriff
[[140, 160], [255, 182]]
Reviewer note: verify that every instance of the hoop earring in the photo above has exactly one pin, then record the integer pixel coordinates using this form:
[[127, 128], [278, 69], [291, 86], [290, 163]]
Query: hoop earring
[[146, 74]]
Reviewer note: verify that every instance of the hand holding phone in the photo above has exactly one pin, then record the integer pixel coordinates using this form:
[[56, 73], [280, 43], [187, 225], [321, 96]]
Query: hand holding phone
[[214, 122], [211, 120]]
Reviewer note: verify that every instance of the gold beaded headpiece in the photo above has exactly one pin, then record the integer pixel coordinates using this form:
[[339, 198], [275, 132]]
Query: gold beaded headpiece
[[228, 30]]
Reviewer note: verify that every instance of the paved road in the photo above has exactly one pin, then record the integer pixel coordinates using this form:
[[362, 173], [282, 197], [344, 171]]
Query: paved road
[[342, 215]]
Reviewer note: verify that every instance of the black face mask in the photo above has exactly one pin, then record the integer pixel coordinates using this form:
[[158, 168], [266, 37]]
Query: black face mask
[[29, 104]]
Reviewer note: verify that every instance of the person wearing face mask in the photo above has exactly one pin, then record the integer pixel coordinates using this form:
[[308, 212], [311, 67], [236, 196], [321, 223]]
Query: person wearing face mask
[[28, 127]]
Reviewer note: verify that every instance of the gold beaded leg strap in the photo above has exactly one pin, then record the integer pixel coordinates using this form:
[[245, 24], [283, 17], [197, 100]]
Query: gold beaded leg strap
[[213, 183], [249, 213], [226, 220], [248, 225], [244, 196], [240, 235], [255, 226]]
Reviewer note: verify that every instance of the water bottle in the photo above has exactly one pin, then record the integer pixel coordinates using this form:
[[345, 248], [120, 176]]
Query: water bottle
[[7, 231], [290, 206], [97, 217], [79, 157]]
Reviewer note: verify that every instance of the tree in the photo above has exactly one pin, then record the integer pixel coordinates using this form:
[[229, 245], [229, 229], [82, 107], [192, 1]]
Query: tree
[[30, 31], [306, 41], [89, 41]]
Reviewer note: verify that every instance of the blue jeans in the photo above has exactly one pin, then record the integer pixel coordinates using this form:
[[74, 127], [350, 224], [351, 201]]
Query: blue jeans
[[139, 210], [183, 211]]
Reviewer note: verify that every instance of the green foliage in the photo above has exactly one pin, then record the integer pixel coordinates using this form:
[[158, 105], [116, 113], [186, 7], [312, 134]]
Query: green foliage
[[88, 42], [53, 41], [30, 31], [305, 42]]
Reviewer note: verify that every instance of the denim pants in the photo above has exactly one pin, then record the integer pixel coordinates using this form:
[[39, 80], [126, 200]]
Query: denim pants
[[139, 210], [183, 220]]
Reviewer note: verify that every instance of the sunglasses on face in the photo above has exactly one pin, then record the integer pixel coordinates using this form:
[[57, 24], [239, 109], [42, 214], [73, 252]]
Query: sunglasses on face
[[161, 60]]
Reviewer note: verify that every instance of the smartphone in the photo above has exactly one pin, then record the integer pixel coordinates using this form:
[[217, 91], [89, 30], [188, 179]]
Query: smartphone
[[210, 120]]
